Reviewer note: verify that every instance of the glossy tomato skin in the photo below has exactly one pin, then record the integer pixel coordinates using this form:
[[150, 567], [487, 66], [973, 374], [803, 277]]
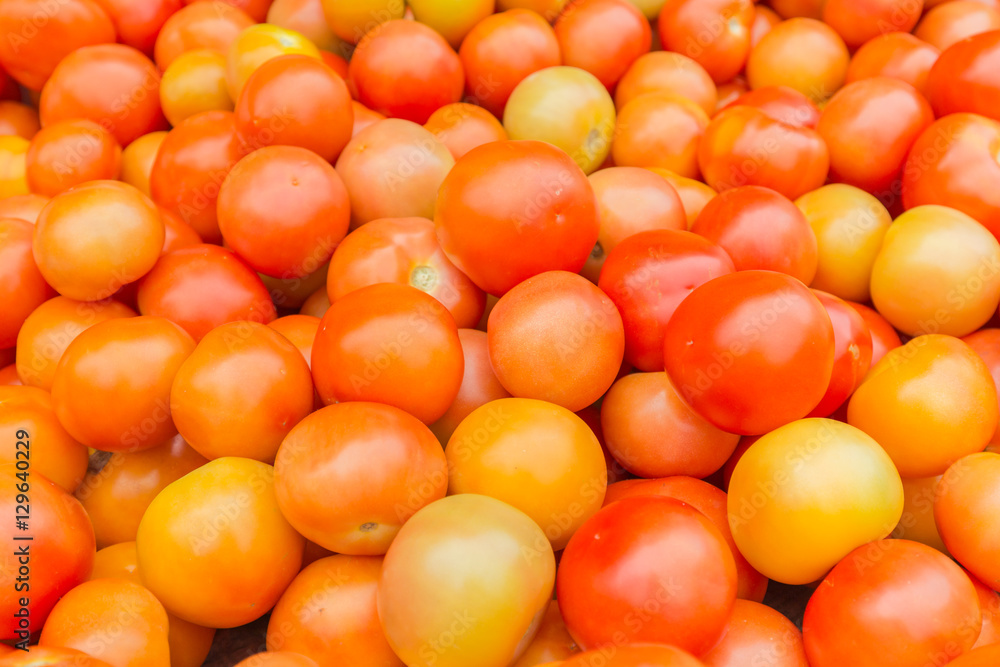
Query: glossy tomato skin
[[462, 127], [498, 583], [760, 229], [633, 655], [772, 61], [23, 287], [758, 634], [876, 605], [350, 20], [258, 44], [404, 251], [194, 82], [964, 78], [390, 344], [986, 343], [406, 70], [23, 207], [858, 21], [951, 164], [898, 55], [540, 214], [884, 337], [453, 20], [750, 351], [69, 153], [927, 403], [501, 50], [667, 72], [307, 17], [804, 495], [138, 158], [962, 511], [176, 289], [716, 33], [62, 549], [852, 353], [210, 25], [877, 114], [980, 657], [325, 471], [946, 24], [38, 656], [556, 337], [138, 23], [603, 37], [328, 614], [691, 578], [660, 130]]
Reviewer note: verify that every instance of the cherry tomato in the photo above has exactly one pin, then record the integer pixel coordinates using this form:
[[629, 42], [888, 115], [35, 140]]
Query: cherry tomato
[[647, 569], [482, 606], [350, 20], [957, 263], [859, 21], [603, 37], [176, 289], [667, 72], [772, 62], [928, 403], [952, 22], [964, 78], [138, 158], [23, 286], [203, 25], [660, 130], [538, 214], [757, 634], [501, 50], [806, 494], [258, 44], [715, 33], [211, 566], [19, 119], [391, 344], [567, 107], [404, 251], [880, 597], [898, 55], [393, 169], [461, 127], [964, 515], [70, 153]]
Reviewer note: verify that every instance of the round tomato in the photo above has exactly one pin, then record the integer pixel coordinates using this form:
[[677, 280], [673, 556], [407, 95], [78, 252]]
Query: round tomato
[[552, 642], [633, 655], [660, 130], [258, 44], [22, 285], [774, 60], [307, 17], [138, 159], [898, 55], [715, 33], [946, 24], [194, 82], [917, 523], [350, 20], [453, 19], [964, 511], [69, 153], [985, 343], [19, 119], [461, 127], [207, 24], [858, 21], [25, 207], [884, 337], [671, 73], [965, 77], [852, 353], [603, 37], [757, 635]]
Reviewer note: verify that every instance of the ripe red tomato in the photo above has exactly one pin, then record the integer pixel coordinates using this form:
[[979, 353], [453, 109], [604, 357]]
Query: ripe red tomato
[[965, 77], [603, 37], [985, 343], [660, 130], [884, 337], [750, 351], [852, 342], [667, 72], [715, 33]]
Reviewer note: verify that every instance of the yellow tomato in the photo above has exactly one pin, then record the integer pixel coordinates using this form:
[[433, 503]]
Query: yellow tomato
[[258, 44], [536, 456], [214, 547], [351, 20], [549, 9], [928, 403], [466, 582], [849, 225], [13, 150], [194, 82], [452, 18], [650, 8], [566, 107], [917, 522], [138, 158], [938, 272], [807, 494]]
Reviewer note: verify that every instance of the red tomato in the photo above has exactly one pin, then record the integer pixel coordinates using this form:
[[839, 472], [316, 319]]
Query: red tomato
[[19, 119], [603, 37], [138, 22], [852, 353], [202, 25], [255, 9], [539, 213], [757, 635], [750, 351], [715, 33], [203, 286], [391, 344], [660, 130], [986, 343], [989, 604], [967, 77], [406, 70], [891, 601], [69, 153], [177, 234], [43, 656], [858, 21], [479, 384], [884, 337], [760, 229], [647, 569], [764, 18], [22, 286], [897, 55]]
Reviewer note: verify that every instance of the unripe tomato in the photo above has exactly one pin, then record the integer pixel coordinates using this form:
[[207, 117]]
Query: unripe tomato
[[350, 20], [194, 82]]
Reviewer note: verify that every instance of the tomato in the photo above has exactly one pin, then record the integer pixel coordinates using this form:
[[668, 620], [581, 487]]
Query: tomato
[[513, 209], [880, 596], [87, 615], [391, 344], [963, 78], [806, 494], [949, 23], [316, 305], [501, 50], [566, 107], [350, 20], [258, 44], [176, 289], [194, 82], [61, 547], [213, 572], [406, 70], [23, 207], [773, 61], [558, 338], [849, 225], [240, 392], [747, 144], [877, 114], [31, 54], [852, 353], [202, 25], [660, 130], [393, 169], [630, 200], [667, 72], [963, 511], [957, 262], [13, 152], [898, 55], [70, 153], [981, 657], [708, 500], [764, 19], [19, 119], [731, 91], [8, 376], [404, 251], [928, 403], [300, 330], [633, 655], [484, 607], [328, 614], [291, 293], [917, 523], [603, 37], [453, 19], [750, 351], [715, 33], [23, 287], [552, 642], [757, 634], [192, 161], [647, 569], [55, 454], [43, 656], [138, 158], [884, 337], [694, 195], [177, 233], [985, 343], [461, 127], [549, 9], [278, 659], [306, 17], [859, 21], [760, 229], [989, 604]]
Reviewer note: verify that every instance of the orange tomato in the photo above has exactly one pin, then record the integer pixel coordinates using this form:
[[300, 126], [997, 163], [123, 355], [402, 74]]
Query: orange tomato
[[660, 130], [757, 633], [603, 37], [258, 44], [898, 55], [307, 17], [277, 659], [985, 343], [773, 61], [13, 152], [852, 353], [634, 655], [138, 23], [962, 511], [694, 194], [23, 286], [194, 82], [552, 643], [350, 20], [19, 119], [884, 337], [452, 19], [715, 33], [23, 207], [177, 234], [42, 656], [461, 127], [255, 9], [667, 72], [291, 293], [138, 158], [917, 523], [70, 153], [764, 18], [300, 330], [963, 78], [858, 21], [951, 22], [202, 25]]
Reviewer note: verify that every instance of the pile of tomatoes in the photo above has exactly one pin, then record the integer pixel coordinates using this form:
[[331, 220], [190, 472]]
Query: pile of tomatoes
[[499, 333]]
